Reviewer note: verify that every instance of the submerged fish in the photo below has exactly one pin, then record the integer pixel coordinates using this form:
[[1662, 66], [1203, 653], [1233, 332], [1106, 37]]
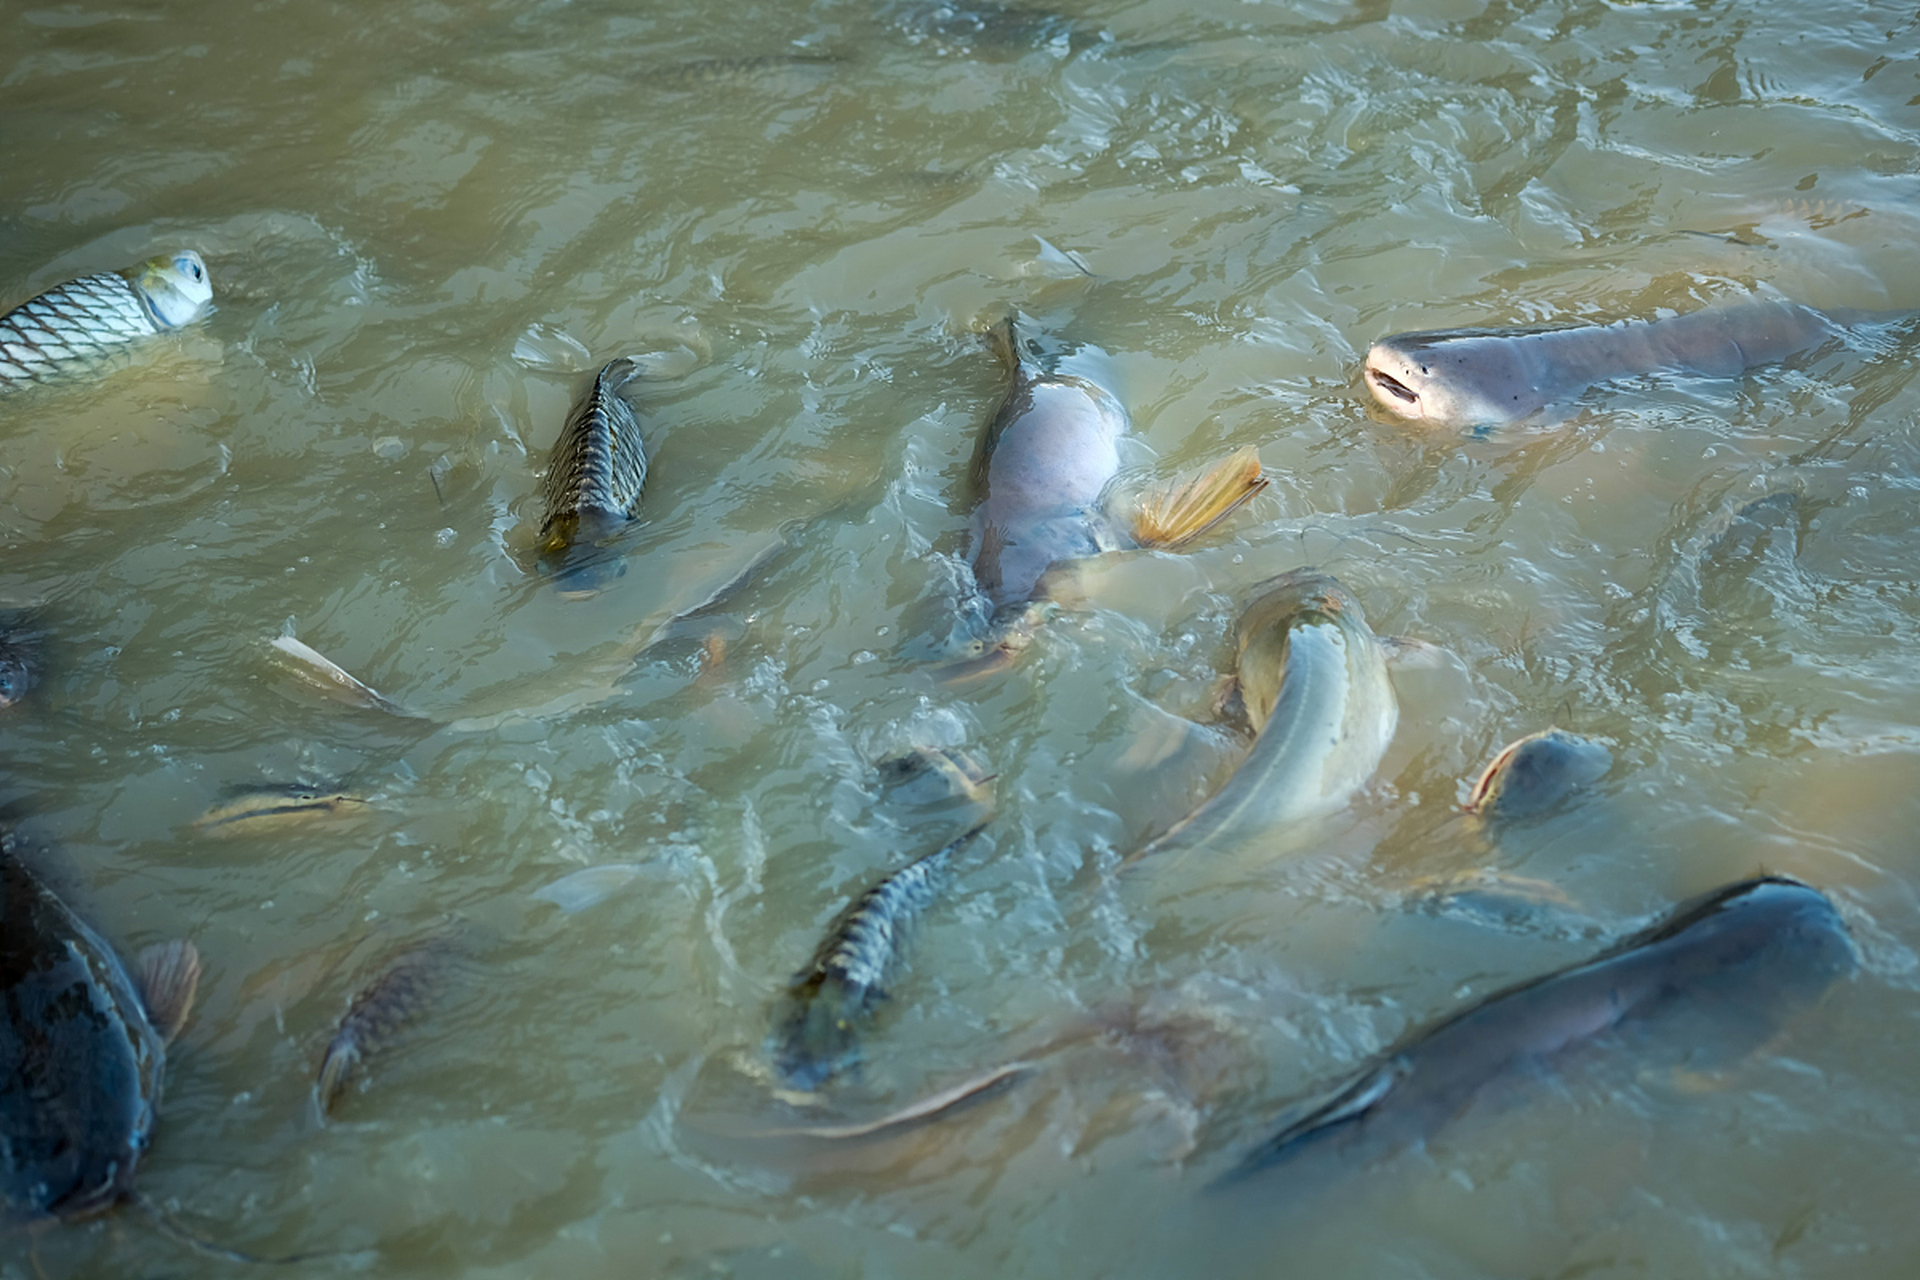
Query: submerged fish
[[1313, 678], [1488, 377], [1534, 773], [315, 669], [1048, 455], [83, 321], [398, 998], [593, 483], [816, 1027], [82, 1052], [19, 664], [1733, 962], [251, 810]]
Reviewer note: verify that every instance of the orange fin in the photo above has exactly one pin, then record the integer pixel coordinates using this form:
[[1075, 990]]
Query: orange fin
[[169, 977], [1173, 514]]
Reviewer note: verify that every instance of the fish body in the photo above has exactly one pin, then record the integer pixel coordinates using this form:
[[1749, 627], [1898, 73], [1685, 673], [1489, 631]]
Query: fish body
[[1313, 679], [1535, 773], [1049, 452], [81, 1060], [817, 1026], [274, 807], [1489, 377], [84, 321], [1735, 960], [397, 998], [593, 482]]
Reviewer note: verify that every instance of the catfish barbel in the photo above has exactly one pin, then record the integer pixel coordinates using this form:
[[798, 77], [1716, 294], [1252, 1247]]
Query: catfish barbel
[[1490, 377], [84, 321], [1737, 960], [593, 483], [1313, 678]]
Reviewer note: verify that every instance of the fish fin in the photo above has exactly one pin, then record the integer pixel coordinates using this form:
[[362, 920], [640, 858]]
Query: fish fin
[[925, 1110], [336, 1069], [1411, 654], [1178, 513], [1323, 1116], [329, 676], [169, 978]]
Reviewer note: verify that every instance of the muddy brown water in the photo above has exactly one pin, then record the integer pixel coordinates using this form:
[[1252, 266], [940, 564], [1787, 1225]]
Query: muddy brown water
[[427, 223]]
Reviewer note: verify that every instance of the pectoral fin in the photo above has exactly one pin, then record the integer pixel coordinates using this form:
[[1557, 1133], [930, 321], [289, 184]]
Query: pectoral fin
[[168, 977], [1173, 514]]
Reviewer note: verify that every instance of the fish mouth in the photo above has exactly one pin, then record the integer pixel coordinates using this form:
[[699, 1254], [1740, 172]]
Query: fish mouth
[[1399, 390]]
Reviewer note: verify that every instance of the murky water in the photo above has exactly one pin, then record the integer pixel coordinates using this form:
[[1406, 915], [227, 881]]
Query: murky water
[[426, 222]]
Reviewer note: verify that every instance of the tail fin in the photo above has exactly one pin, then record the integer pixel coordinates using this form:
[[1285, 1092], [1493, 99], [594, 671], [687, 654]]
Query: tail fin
[[1180, 512], [1330, 1115]]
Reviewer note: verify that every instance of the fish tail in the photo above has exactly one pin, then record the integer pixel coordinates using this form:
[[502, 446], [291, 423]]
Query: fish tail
[[1180, 512], [1004, 342], [343, 1056]]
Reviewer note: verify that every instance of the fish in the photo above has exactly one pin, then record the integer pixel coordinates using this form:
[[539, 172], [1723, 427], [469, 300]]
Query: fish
[[83, 322], [253, 810], [1047, 457], [1734, 961], [315, 669], [1475, 378], [19, 668], [593, 484], [82, 1051], [931, 779], [1533, 774], [400, 996], [818, 1020], [1313, 679]]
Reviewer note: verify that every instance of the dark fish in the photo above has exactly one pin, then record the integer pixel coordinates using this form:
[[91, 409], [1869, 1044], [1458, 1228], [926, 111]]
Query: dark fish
[[1488, 377], [1536, 772], [817, 1025], [84, 321], [397, 999], [19, 666], [593, 483], [82, 1053], [1047, 457], [1733, 962]]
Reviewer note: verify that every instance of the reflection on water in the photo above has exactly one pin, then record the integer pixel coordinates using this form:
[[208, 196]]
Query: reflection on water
[[425, 222]]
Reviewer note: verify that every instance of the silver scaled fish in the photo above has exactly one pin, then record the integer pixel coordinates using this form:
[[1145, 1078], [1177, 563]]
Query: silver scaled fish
[[593, 483], [85, 321]]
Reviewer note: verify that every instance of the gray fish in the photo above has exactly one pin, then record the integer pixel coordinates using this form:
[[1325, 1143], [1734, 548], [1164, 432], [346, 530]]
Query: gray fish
[[593, 483], [1535, 773], [1489, 377], [1731, 963], [397, 999], [81, 322], [1313, 678], [1047, 457], [82, 1052], [817, 1024]]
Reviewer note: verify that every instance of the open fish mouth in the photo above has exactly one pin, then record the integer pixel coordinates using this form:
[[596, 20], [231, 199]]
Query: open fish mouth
[[1393, 386]]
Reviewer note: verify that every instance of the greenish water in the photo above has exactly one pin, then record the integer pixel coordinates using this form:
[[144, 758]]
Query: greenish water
[[427, 222]]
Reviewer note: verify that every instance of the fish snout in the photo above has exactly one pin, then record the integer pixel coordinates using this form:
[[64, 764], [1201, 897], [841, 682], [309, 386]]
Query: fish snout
[[1393, 395]]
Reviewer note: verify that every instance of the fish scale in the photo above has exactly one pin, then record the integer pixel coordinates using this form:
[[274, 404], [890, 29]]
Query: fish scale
[[83, 319], [599, 464]]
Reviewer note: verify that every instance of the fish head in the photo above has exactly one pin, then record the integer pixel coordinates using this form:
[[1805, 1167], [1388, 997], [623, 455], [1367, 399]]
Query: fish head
[[815, 1038], [173, 287], [1535, 773], [1451, 378], [1280, 607], [16, 676]]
